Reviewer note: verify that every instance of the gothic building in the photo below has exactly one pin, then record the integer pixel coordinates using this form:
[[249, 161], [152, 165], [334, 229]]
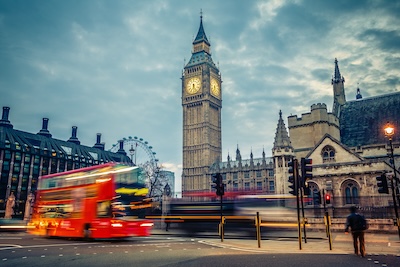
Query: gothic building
[[24, 157], [347, 146], [201, 103], [255, 175]]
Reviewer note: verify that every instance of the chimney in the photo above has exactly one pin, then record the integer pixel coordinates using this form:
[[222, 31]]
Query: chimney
[[73, 138], [4, 122], [98, 144], [44, 131], [121, 148]]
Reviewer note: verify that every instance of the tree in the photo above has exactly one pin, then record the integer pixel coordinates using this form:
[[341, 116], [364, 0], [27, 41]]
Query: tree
[[155, 178]]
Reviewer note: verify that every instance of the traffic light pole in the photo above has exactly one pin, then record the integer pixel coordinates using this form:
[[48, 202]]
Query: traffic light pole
[[302, 211], [395, 205], [395, 189], [297, 185], [221, 222]]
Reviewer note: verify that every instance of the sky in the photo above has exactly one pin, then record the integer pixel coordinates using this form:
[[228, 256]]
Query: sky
[[115, 67]]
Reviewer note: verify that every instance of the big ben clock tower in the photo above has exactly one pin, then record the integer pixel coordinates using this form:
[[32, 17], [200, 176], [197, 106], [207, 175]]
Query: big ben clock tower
[[201, 103]]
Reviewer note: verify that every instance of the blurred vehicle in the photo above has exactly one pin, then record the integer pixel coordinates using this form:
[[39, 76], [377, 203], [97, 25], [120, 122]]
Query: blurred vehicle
[[102, 201], [276, 208]]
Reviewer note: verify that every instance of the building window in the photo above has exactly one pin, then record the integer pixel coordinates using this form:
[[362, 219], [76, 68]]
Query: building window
[[246, 174], [235, 187], [271, 186], [351, 193], [235, 176], [224, 176], [247, 186], [258, 174], [328, 154], [259, 185]]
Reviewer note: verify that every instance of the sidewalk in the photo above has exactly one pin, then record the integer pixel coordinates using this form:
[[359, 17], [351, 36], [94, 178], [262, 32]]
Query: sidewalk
[[317, 242]]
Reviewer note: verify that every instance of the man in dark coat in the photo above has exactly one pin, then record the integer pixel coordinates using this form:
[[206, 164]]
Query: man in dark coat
[[357, 224]]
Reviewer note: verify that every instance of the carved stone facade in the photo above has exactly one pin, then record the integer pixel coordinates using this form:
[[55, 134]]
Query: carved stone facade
[[348, 146]]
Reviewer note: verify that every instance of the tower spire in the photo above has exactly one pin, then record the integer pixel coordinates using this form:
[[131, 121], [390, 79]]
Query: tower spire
[[282, 139], [201, 34], [339, 97]]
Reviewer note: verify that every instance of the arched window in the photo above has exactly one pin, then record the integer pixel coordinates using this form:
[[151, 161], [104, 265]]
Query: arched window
[[314, 195], [328, 154], [351, 193]]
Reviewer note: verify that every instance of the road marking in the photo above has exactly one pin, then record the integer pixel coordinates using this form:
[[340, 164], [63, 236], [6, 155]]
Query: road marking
[[12, 246], [9, 246]]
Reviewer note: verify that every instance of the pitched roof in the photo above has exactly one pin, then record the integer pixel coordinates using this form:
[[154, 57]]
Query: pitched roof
[[362, 121], [201, 34]]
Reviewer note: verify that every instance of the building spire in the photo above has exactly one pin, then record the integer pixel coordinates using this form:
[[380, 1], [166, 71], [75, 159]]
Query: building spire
[[282, 139], [339, 97], [337, 77], [201, 34]]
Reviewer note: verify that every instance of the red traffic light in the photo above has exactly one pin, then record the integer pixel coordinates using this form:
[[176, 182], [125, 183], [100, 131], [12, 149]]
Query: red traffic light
[[328, 199]]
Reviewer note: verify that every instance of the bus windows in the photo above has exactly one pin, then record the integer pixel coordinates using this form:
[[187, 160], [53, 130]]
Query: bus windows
[[104, 209]]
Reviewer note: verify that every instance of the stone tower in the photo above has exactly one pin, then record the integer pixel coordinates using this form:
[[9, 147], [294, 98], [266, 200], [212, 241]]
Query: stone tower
[[201, 103], [282, 153]]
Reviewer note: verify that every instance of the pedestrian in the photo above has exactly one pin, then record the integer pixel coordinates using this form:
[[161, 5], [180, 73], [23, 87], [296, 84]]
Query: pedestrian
[[358, 225]]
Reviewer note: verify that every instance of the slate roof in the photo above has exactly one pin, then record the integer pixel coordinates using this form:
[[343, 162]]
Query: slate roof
[[201, 57], [201, 34], [28, 142], [362, 121]]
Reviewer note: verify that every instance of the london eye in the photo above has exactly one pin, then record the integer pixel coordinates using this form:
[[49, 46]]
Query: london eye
[[139, 150]]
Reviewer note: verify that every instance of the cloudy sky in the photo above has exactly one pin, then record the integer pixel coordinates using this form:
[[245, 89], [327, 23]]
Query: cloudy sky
[[114, 67]]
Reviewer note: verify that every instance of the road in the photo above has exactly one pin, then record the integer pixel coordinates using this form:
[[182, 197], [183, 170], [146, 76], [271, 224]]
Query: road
[[22, 249]]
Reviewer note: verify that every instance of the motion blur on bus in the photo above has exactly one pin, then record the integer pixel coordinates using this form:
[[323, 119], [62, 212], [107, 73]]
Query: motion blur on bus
[[102, 201]]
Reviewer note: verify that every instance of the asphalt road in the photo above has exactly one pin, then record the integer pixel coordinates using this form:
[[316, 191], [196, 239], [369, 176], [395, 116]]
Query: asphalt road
[[21, 249]]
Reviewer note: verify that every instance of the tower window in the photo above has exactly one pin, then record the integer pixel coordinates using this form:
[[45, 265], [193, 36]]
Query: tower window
[[328, 154]]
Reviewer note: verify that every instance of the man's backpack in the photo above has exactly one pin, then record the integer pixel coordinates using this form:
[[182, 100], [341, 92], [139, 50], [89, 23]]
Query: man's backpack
[[361, 223]]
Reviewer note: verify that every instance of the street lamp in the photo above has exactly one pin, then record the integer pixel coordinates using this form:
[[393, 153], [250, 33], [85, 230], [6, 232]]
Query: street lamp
[[132, 152], [389, 132]]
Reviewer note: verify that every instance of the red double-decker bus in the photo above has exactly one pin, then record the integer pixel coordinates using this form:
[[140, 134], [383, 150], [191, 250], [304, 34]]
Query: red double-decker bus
[[102, 201]]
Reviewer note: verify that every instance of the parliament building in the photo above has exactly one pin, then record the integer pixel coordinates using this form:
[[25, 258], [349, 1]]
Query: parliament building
[[347, 146]]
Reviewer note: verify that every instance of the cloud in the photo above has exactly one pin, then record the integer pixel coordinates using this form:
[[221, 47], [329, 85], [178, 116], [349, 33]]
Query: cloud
[[115, 67]]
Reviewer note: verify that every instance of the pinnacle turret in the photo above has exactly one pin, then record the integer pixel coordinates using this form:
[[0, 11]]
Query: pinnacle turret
[[282, 139]]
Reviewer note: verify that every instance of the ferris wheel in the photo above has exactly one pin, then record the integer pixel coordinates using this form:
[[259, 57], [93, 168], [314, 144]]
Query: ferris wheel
[[139, 150]]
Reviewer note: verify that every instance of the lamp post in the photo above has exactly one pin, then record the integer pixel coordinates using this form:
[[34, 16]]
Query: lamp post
[[389, 132]]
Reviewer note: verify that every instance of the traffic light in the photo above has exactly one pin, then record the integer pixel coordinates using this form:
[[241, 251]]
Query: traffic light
[[306, 170], [328, 199], [382, 184], [317, 198], [293, 179], [307, 190], [217, 184]]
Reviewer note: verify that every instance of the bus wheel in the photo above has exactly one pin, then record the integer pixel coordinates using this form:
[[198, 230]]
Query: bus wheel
[[87, 233]]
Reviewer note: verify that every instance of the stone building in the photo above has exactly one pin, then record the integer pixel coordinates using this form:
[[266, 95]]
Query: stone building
[[201, 103], [347, 146], [24, 157], [255, 175]]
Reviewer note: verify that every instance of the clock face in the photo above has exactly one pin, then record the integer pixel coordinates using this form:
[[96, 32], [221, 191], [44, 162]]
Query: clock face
[[214, 87], [193, 85]]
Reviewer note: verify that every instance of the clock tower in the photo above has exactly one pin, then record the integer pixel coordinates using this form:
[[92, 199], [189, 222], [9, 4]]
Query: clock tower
[[201, 103]]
